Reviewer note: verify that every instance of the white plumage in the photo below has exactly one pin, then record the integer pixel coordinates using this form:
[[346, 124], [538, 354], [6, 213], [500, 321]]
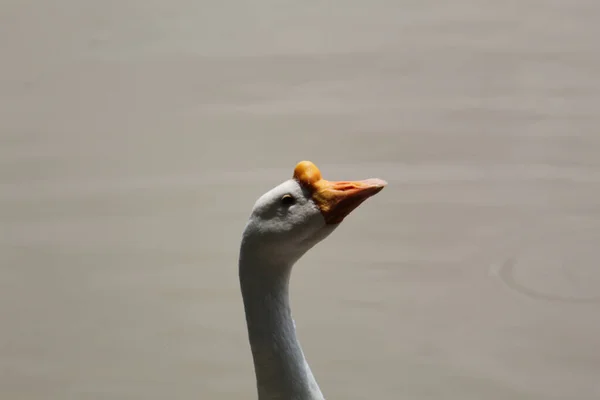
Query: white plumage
[[285, 223]]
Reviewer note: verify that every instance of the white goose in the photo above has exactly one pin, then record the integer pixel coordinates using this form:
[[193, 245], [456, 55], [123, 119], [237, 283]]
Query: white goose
[[285, 223]]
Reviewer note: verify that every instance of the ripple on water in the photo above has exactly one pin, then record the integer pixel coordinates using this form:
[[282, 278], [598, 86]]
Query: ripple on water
[[561, 266]]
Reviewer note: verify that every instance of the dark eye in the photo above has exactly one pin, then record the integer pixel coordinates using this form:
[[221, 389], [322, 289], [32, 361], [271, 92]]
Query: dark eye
[[288, 200]]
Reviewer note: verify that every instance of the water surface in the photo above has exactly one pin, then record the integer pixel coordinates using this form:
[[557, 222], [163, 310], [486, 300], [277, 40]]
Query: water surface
[[136, 135]]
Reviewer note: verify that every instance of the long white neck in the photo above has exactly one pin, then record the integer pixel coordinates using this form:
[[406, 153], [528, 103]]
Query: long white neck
[[282, 372]]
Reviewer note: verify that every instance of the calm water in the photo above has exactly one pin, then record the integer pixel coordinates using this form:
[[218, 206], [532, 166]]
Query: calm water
[[136, 135]]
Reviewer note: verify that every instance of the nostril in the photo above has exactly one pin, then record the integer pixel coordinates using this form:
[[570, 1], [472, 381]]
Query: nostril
[[345, 186]]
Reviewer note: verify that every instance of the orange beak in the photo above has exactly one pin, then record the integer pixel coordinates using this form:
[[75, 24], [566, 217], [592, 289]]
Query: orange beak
[[335, 199]]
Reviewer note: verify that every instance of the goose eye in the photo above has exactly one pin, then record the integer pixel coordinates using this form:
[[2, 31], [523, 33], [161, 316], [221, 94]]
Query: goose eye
[[288, 200]]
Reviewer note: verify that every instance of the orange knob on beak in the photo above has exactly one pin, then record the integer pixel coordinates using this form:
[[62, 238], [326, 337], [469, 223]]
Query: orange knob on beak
[[335, 199]]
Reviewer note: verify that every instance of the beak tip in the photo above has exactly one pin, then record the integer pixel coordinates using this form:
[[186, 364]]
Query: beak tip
[[378, 183]]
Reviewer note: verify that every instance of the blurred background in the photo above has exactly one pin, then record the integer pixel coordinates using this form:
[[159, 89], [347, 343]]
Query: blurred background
[[136, 135]]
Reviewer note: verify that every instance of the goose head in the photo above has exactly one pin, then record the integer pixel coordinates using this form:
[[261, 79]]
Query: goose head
[[294, 216]]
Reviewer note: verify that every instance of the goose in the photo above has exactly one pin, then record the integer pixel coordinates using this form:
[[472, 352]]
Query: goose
[[285, 223]]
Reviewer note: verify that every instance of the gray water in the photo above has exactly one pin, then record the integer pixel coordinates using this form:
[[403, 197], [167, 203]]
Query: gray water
[[136, 135]]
